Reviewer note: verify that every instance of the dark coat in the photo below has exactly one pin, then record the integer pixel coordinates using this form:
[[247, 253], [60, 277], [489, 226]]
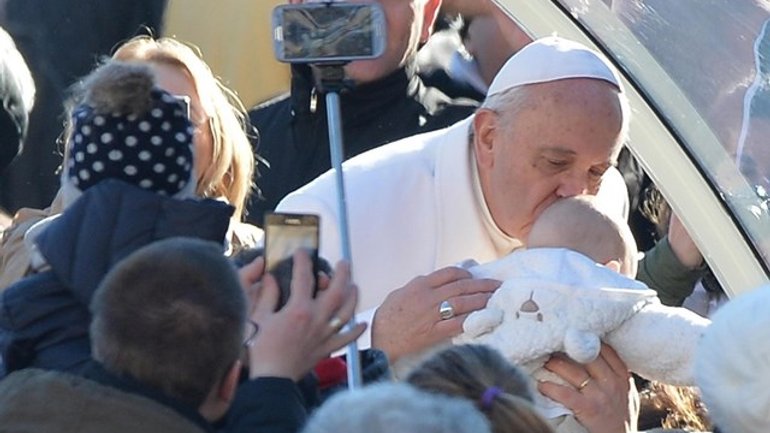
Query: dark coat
[[294, 137], [51, 401], [44, 318], [267, 405], [100, 401]]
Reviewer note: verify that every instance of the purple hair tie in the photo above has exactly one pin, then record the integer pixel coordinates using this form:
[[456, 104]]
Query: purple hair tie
[[489, 396]]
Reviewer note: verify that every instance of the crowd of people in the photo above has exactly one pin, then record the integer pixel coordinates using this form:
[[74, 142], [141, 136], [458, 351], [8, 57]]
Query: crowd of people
[[140, 299]]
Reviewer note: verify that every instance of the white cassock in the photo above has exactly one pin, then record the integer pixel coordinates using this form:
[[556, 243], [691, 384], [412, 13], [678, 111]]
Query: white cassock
[[414, 206]]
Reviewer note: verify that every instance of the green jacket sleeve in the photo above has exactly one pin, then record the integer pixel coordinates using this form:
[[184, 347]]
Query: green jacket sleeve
[[664, 273]]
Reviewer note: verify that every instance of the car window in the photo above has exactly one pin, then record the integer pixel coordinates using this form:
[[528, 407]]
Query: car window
[[705, 66]]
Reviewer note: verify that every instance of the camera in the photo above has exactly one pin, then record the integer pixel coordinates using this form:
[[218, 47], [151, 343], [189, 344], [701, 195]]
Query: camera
[[330, 32]]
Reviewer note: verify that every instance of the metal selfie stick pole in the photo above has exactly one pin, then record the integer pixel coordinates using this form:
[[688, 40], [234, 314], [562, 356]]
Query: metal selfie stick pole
[[331, 80], [349, 32]]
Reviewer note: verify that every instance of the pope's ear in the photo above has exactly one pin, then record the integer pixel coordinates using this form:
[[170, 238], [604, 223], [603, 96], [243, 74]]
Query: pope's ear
[[484, 130]]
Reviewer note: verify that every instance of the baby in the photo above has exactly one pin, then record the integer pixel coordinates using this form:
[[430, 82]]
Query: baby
[[125, 128], [573, 289], [576, 224], [127, 179]]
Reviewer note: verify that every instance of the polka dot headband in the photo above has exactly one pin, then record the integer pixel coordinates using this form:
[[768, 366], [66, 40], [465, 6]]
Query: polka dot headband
[[152, 150]]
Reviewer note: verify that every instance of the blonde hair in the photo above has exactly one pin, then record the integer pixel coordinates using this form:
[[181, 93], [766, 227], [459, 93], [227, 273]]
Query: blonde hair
[[231, 171], [672, 407]]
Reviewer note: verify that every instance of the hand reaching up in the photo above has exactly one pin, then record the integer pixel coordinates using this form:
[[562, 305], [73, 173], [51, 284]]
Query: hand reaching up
[[291, 341]]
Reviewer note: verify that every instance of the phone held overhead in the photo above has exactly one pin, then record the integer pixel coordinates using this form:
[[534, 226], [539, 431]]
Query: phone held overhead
[[329, 32], [327, 36]]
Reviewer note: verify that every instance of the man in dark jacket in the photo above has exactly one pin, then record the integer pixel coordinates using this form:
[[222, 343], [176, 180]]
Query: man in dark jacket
[[167, 332], [389, 102]]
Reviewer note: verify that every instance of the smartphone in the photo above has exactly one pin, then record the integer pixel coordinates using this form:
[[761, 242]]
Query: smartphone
[[285, 233], [329, 32]]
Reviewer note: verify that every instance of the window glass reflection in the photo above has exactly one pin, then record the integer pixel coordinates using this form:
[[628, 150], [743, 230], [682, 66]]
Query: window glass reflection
[[717, 53]]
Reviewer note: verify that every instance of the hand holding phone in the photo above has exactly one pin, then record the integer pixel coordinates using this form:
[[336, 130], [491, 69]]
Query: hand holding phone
[[284, 234]]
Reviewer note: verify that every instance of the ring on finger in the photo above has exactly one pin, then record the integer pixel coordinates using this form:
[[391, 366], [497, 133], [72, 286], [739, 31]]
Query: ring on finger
[[584, 383], [335, 323], [446, 311]]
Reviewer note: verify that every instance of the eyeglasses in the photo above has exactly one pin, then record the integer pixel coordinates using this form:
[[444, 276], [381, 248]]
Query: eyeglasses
[[250, 332]]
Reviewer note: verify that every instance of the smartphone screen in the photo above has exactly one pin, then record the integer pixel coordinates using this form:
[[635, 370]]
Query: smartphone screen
[[285, 234], [317, 32]]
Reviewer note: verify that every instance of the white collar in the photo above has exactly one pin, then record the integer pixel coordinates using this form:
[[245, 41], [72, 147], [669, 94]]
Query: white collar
[[462, 224], [503, 243]]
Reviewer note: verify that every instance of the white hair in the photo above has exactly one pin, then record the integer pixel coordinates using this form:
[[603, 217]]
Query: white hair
[[510, 100], [396, 407]]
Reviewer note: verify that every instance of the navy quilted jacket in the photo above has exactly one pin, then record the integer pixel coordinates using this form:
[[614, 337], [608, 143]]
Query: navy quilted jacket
[[44, 318]]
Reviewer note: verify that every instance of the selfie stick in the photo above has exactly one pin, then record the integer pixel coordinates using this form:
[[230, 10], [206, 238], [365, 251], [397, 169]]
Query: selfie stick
[[331, 80]]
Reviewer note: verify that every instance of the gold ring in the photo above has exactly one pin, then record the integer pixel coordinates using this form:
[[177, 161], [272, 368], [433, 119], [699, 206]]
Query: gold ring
[[584, 383], [335, 323]]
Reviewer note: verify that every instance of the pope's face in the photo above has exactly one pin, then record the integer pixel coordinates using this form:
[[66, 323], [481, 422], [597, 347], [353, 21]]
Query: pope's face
[[559, 143]]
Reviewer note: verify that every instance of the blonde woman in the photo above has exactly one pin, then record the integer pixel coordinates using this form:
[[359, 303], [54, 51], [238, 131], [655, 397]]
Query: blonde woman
[[225, 162], [224, 158]]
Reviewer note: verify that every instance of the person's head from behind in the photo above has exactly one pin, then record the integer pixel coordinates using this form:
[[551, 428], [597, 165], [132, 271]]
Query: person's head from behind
[[480, 374], [732, 364], [395, 407], [576, 223], [224, 157], [17, 92], [122, 126], [409, 23], [552, 124], [171, 315]]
